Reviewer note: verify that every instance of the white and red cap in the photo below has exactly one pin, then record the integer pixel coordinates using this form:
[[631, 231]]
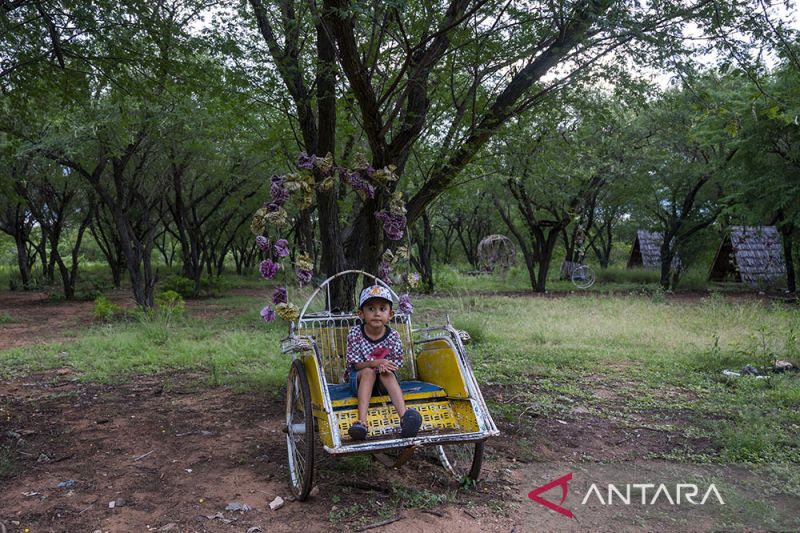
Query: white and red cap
[[375, 291]]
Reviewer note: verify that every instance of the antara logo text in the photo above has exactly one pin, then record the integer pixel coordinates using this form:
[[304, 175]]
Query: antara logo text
[[650, 494]]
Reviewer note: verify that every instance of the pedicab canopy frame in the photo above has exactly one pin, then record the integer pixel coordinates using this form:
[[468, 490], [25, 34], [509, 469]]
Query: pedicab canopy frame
[[436, 378]]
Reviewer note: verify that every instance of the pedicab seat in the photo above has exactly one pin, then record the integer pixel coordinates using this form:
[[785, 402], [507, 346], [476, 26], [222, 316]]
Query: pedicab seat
[[342, 397]]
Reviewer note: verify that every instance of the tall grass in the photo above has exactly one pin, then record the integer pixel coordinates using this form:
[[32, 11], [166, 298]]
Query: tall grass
[[661, 353]]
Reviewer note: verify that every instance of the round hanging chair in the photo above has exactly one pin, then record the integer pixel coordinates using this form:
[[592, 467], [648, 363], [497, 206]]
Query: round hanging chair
[[496, 251]]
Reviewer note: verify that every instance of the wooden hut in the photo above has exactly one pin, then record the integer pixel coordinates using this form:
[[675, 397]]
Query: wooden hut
[[751, 255], [646, 251]]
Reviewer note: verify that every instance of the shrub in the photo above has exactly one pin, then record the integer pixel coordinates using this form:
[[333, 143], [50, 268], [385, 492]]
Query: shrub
[[105, 310], [170, 303], [627, 275], [214, 285], [179, 284]]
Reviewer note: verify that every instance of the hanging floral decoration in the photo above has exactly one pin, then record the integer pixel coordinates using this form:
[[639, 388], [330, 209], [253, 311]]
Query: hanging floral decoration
[[319, 174]]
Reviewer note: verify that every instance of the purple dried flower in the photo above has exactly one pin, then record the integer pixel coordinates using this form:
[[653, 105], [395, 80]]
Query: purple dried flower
[[281, 247], [269, 269], [277, 180], [384, 269], [268, 314], [280, 296], [306, 161], [272, 207], [405, 304], [393, 225], [361, 184], [279, 194], [262, 243], [304, 276]]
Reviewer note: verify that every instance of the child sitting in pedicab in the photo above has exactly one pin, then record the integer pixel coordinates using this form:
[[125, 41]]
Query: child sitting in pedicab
[[374, 354]]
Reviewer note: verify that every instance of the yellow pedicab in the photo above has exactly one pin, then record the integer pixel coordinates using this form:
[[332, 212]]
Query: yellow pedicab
[[436, 379]]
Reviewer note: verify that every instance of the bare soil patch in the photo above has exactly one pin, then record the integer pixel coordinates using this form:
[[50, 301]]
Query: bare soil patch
[[175, 452]]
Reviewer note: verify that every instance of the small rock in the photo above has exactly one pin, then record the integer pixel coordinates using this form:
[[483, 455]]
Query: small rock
[[43, 458], [120, 502], [314, 492], [68, 484], [750, 370], [112, 504], [276, 504], [783, 366], [168, 527], [97, 531], [254, 529], [580, 410], [236, 506]]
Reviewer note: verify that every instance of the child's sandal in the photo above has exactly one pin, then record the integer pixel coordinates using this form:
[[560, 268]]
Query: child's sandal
[[357, 431], [410, 423]]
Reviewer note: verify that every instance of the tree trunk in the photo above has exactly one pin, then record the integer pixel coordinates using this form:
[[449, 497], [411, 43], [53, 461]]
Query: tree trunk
[[667, 254], [22, 260], [424, 252], [786, 231]]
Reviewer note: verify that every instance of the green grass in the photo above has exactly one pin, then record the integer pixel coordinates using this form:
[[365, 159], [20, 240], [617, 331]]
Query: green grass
[[657, 355], [5, 318], [242, 351]]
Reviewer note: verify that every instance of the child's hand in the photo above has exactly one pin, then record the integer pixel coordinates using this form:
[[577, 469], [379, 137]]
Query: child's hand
[[385, 367]]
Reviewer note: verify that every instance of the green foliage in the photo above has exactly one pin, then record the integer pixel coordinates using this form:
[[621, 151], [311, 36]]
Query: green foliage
[[105, 309], [419, 499], [169, 307], [214, 285], [620, 274], [179, 284]]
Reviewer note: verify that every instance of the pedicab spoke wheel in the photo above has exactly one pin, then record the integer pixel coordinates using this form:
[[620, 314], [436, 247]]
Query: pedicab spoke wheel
[[583, 277], [463, 461], [299, 431]]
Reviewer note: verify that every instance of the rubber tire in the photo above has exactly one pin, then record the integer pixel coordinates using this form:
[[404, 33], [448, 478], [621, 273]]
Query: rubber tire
[[302, 488], [474, 470]]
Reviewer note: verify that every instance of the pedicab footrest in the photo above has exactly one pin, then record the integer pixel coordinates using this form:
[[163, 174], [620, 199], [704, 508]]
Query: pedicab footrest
[[383, 420]]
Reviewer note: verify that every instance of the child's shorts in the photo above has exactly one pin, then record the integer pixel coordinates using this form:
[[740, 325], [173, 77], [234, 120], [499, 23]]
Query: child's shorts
[[377, 389]]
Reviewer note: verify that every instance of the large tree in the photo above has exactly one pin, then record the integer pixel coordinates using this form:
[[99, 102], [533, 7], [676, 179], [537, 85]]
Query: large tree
[[447, 75]]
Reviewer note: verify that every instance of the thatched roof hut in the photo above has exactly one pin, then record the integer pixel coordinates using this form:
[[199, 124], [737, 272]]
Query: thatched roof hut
[[749, 254], [646, 251]]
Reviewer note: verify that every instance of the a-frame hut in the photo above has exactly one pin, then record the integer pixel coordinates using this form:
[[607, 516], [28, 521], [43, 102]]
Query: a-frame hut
[[646, 251], [749, 254]]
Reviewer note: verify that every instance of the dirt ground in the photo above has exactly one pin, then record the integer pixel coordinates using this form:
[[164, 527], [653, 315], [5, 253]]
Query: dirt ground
[[172, 453], [167, 450]]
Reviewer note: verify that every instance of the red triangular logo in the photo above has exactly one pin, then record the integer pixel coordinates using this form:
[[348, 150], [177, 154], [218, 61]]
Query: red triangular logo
[[563, 483]]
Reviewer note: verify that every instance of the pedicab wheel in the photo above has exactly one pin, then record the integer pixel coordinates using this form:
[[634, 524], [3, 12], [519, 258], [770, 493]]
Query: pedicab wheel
[[463, 461], [299, 432]]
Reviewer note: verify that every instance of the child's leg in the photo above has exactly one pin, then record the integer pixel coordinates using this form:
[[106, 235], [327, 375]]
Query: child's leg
[[366, 381], [389, 381]]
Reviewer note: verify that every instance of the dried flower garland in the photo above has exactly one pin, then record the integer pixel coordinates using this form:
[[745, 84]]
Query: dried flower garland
[[317, 173]]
